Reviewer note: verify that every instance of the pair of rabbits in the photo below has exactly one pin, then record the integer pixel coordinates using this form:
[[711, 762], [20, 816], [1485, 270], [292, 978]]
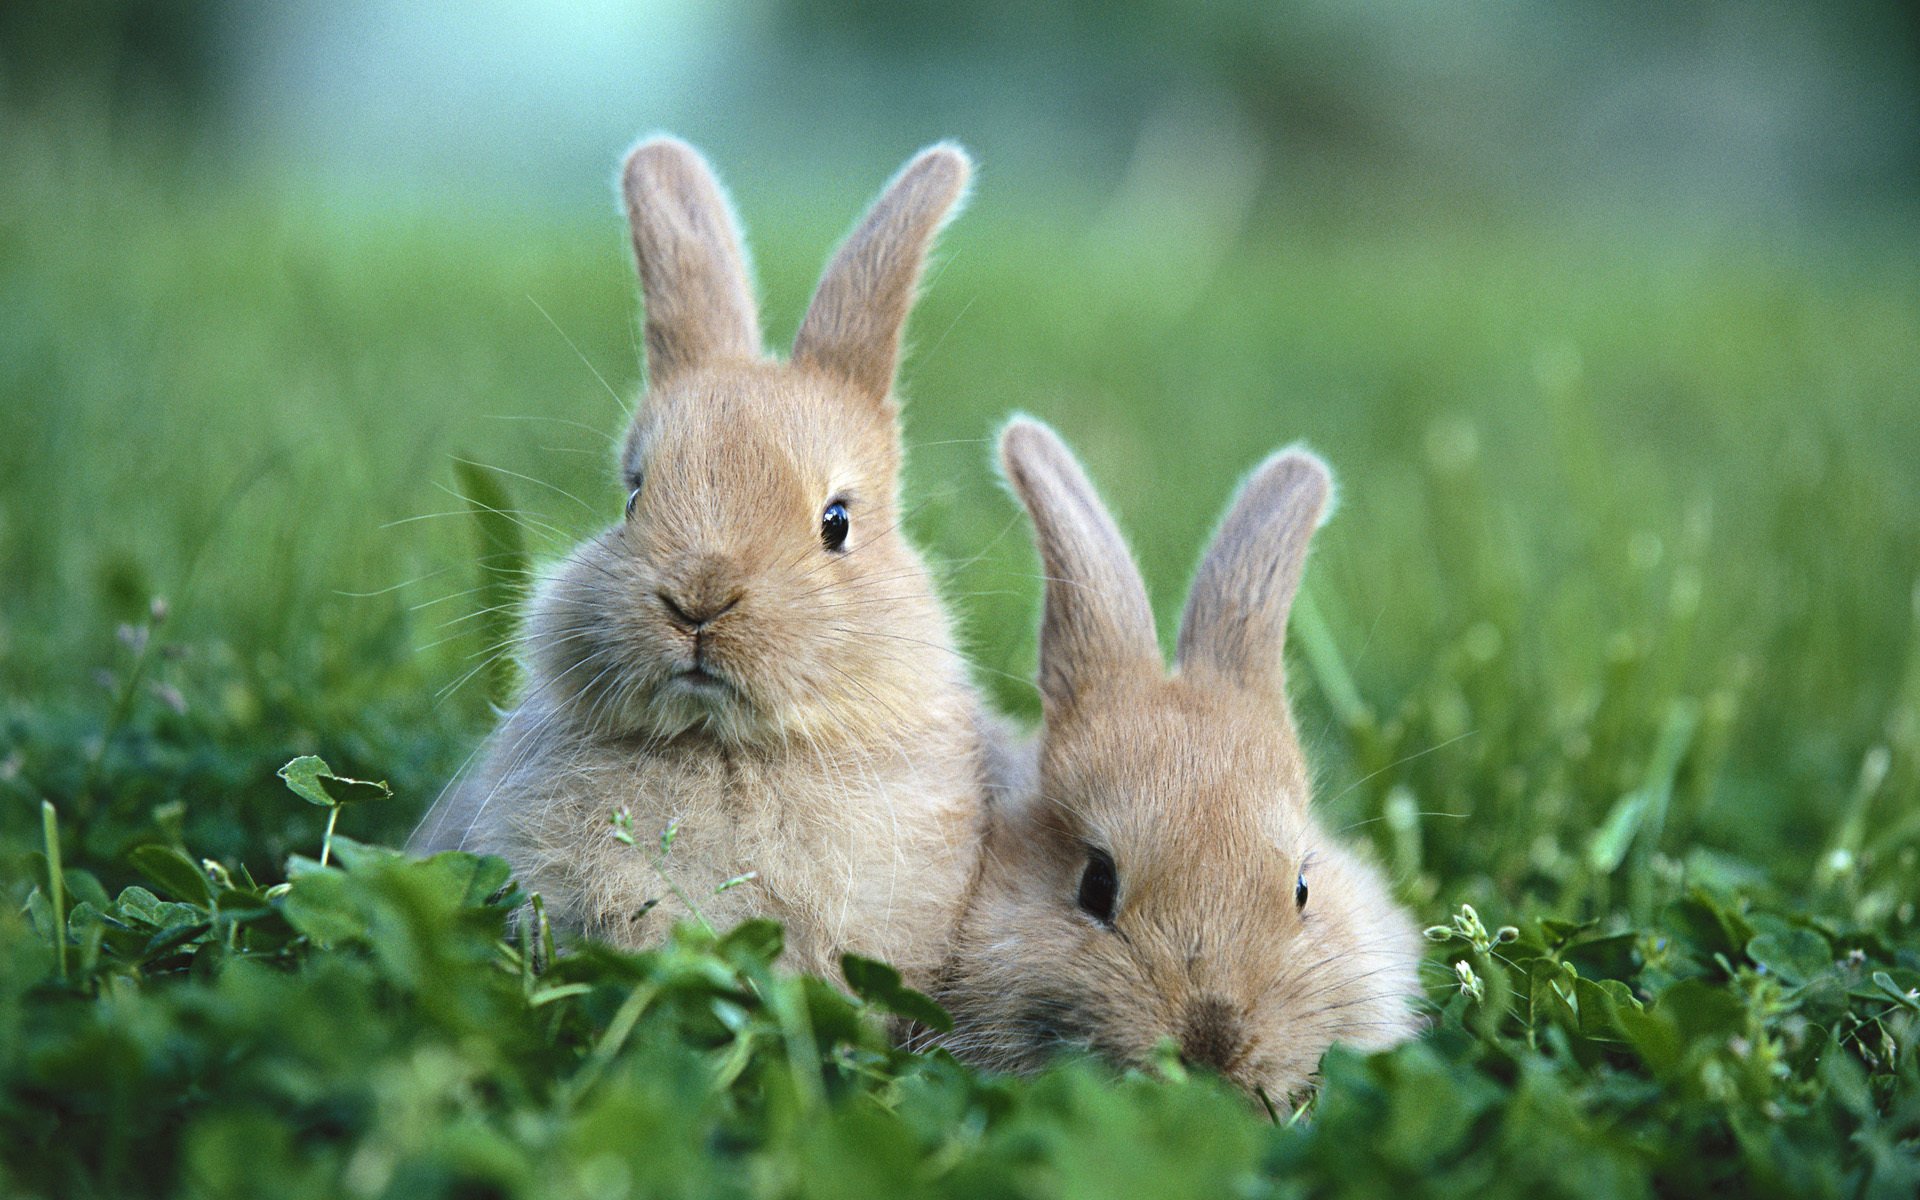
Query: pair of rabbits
[[744, 699]]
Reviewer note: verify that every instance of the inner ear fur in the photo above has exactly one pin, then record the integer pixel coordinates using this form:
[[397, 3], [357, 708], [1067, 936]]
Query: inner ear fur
[[1097, 624], [698, 296], [854, 324], [1235, 623]]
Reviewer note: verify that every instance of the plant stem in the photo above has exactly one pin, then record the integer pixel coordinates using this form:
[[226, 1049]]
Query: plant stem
[[1675, 739], [56, 884], [122, 710], [326, 841], [544, 931], [608, 1047], [1324, 659]]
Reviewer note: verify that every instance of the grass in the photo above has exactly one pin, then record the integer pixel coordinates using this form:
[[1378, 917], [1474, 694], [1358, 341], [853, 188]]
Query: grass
[[1615, 638]]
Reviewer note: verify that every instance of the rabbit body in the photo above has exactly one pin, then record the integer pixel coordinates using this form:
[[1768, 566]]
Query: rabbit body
[[850, 846], [1162, 876], [744, 698]]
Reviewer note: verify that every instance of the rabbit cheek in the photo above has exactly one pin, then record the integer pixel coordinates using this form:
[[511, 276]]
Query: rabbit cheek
[[1047, 1024]]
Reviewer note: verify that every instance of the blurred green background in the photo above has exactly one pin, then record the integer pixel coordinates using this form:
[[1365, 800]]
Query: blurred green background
[[1607, 316]]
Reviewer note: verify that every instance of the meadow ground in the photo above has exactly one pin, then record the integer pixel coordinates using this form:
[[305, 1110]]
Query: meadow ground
[[1615, 637]]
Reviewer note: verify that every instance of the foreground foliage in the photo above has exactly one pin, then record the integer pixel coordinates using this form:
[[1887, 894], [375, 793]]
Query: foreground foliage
[[368, 1028]]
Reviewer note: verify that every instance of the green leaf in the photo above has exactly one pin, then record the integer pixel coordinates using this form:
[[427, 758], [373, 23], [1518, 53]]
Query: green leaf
[[174, 937], [1885, 983], [503, 573], [759, 939], [1690, 1017], [39, 910], [469, 879], [357, 856], [241, 902], [1608, 849], [1846, 1080], [1701, 1011], [1600, 1003], [1557, 932], [834, 1016], [85, 886], [880, 985], [1431, 1107], [173, 873], [84, 916], [1796, 955], [1708, 925], [321, 905], [548, 995], [1607, 958], [310, 779], [138, 904]]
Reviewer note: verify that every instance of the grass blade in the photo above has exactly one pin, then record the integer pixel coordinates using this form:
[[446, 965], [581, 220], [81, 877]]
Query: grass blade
[[56, 883], [502, 558]]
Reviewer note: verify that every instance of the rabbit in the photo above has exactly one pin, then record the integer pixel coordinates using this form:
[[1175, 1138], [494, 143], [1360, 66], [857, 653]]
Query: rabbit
[[743, 698], [1163, 877]]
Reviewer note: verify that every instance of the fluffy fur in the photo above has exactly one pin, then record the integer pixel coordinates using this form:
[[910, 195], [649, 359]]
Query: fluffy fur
[[1196, 786], [791, 712]]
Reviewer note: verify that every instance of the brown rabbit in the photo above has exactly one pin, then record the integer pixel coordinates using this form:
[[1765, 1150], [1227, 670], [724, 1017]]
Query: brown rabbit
[[751, 673], [1164, 877]]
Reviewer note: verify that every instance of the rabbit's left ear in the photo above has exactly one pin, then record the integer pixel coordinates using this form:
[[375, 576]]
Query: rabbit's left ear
[[852, 329], [1097, 627], [693, 270], [1235, 624]]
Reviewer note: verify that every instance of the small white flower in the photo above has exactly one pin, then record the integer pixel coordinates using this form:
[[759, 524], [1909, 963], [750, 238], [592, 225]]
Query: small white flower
[[1470, 983]]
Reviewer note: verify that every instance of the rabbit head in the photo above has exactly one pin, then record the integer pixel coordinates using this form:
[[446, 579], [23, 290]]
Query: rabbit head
[[758, 585], [1166, 878]]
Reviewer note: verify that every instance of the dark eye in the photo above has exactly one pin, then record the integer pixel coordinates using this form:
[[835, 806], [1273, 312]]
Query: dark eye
[[1300, 892], [633, 500], [833, 526], [1099, 886]]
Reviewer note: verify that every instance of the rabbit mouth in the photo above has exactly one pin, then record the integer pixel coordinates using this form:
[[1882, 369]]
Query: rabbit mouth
[[698, 680], [694, 696]]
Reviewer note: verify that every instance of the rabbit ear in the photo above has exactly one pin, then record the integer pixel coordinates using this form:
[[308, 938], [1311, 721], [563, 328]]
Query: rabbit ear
[[853, 326], [1235, 624], [1097, 623], [693, 273]]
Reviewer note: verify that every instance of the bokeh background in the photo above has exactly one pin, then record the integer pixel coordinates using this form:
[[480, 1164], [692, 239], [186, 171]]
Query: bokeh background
[[1607, 315]]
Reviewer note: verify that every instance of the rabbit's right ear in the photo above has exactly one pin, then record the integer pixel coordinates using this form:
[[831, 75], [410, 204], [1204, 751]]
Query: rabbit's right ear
[[852, 329], [1235, 625], [1097, 625], [693, 273]]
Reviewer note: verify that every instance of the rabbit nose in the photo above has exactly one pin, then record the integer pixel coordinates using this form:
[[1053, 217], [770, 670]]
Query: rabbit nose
[[1211, 1036], [692, 614], [707, 590]]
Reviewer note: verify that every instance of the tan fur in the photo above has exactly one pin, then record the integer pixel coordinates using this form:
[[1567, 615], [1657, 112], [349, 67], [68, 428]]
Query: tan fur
[[693, 270], [836, 752], [852, 328], [1195, 784]]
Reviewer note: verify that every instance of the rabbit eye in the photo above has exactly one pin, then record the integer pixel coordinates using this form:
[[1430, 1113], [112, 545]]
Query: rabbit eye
[[833, 526], [1099, 886], [633, 501], [1300, 892]]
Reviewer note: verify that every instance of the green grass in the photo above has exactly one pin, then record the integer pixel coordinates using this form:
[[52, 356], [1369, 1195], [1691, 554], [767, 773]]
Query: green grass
[[1616, 637]]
